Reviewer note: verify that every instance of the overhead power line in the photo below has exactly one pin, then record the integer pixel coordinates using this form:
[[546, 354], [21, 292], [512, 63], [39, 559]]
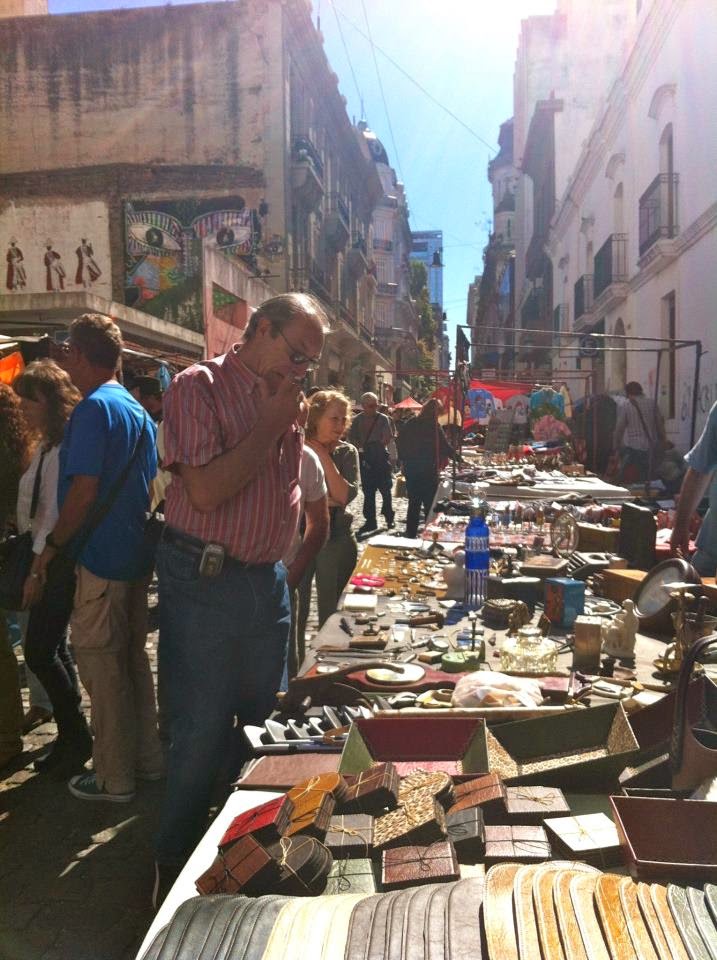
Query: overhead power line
[[408, 76], [348, 57]]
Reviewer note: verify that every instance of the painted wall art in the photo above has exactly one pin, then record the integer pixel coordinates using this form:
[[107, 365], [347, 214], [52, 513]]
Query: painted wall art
[[164, 251]]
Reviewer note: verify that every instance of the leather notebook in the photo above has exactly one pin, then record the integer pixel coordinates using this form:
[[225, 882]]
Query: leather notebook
[[486, 792], [332, 783], [409, 866], [592, 837], [351, 876], [266, 823], [524, 844], [419, 821], [311, 815], [304, 865], [283, 772], [532, 804], [374, 791], [350, 836], [466, 831], [244, 867], [435, 782]]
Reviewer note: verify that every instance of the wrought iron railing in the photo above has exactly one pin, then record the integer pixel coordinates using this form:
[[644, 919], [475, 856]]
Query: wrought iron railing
[[303, 149], [658, 211], [610, 264]]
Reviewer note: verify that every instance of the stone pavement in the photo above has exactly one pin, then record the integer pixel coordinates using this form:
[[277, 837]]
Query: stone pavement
[[76, 877]]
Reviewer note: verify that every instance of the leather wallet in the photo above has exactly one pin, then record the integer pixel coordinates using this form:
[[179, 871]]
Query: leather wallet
[[463, 929], [350, 836], [658, 895], [434, 782], [652, 922], [529, 804], [245, 867], [406, 866], [466, 832], [311, 815], [612, 917], [592, 837], [703, 920], [266, 823], [685, 922], [332, 783], [374, 791], [359, 927], [498, 923], [284, 772], [304, 864], [351, 876], [419, 821], [523, 844], [639, 932], [582, 897], [486, 792]]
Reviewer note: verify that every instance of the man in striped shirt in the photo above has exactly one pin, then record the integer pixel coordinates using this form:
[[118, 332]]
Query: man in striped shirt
[[233, 445], [639, 435]]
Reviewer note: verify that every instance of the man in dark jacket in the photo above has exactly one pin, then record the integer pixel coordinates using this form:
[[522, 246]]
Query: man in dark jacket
[[422, 446], [371, 433]]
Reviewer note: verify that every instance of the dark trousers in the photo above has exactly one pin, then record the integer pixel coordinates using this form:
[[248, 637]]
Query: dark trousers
[[47, 653], [421, 489], [372, 480], [222, 649]]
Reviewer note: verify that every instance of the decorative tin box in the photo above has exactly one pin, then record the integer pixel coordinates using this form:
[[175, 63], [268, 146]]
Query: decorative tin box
[[564, 600]]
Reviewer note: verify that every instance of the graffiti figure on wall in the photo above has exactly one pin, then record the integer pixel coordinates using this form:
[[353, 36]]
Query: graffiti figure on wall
[[54, 271], [164, 251], [87, 268], [15, 278]]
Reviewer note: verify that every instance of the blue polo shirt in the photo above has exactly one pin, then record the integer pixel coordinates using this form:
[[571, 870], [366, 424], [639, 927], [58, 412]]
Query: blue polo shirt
[[99, 439], [703, 458]]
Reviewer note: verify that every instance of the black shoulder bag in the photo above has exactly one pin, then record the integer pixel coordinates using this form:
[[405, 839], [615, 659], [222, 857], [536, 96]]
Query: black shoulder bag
[[16, 554]]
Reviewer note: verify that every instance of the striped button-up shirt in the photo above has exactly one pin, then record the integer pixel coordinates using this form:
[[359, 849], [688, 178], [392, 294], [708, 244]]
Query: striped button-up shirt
[[208, 409], [629, 429]]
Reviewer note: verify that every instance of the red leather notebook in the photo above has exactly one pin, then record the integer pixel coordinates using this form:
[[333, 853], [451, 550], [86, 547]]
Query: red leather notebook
[[284, 772]]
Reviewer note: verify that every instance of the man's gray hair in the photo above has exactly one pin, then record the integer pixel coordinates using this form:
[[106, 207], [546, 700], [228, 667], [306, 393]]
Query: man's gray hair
[[281, 310], [368, 396]]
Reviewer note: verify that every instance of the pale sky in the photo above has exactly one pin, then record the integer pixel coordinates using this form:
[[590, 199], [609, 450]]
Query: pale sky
[[463, 53]]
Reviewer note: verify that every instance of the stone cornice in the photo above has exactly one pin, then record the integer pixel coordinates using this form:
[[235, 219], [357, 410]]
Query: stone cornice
[[665, 252]]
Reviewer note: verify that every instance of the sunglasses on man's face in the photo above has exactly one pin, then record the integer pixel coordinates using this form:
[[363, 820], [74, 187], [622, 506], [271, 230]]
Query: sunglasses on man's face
[[299, 359]]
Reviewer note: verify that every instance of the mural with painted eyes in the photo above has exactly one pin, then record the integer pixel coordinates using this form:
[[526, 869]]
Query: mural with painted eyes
[[164, 251]]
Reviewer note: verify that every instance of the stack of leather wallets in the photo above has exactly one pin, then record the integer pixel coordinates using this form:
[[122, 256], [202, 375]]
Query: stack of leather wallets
[[547, 910]]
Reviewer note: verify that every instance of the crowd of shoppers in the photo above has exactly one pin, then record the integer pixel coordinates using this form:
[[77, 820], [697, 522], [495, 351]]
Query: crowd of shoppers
[[256, 483]]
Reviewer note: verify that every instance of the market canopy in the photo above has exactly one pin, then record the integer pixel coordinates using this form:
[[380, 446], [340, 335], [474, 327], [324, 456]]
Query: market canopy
[[408, 404]]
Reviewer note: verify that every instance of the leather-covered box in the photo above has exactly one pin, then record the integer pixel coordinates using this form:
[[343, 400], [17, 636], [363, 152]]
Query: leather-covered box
[[419, 821], [266, 823], [517, 843], [452, 745], [373, 791], [311, 815], [466, 831], [409, 866], [487, 792], [532, 804], [244, 867], [351, 876], [304, 865], [350, 836], [667, 839], [579, 748], [591, 837]]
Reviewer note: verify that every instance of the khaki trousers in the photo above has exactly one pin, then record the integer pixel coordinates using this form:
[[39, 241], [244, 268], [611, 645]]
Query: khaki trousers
[[109, 632]]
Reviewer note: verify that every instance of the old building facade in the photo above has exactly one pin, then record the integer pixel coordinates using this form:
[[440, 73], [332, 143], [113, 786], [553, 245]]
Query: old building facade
[[135, 140]]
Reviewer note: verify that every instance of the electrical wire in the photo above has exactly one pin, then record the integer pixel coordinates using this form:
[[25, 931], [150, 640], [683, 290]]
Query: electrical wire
[[380, 87], [348, 57], [407, 75]]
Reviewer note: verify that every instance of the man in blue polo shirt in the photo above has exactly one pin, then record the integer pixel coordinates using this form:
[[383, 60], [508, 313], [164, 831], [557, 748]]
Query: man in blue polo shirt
[[702, 465], [109, 617]]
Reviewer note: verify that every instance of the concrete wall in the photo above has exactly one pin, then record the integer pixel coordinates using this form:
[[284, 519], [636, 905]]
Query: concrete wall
[[154, 85]]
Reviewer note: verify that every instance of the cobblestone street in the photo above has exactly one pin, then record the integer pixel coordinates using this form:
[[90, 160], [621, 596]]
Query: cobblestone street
[[76, 878]]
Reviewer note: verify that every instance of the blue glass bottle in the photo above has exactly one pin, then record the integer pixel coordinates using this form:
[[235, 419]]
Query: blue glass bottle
[[477, 558]]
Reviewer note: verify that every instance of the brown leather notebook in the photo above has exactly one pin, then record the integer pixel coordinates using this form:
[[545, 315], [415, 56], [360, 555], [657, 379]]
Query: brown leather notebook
[[284, 772]]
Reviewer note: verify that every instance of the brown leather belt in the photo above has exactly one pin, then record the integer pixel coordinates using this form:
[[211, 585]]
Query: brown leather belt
[[500, 935]]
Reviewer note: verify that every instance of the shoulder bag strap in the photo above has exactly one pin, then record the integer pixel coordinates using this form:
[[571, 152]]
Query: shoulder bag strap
[[36, 486], [636, 405], [100, 510], [368, 435]]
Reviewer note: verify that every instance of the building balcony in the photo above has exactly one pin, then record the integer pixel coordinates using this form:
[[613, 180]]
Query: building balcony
[[365, 333], [582, 300], [357, 258], [337, 224], [307, 172], [658, 212], [319, 282], [385, 245], [611, 274], [345, 315], [387, 289]]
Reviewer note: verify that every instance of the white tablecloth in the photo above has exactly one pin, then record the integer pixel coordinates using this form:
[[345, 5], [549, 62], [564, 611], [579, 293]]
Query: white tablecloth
[[202, 858]]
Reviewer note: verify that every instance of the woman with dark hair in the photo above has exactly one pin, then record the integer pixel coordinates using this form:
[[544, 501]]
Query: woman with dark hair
[[48, 397], [328, 420], [422, 445], [14, 456]]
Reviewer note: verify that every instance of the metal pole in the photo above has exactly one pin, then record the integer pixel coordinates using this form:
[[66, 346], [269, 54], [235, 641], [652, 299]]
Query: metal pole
[[651, 449], [695, 390]]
